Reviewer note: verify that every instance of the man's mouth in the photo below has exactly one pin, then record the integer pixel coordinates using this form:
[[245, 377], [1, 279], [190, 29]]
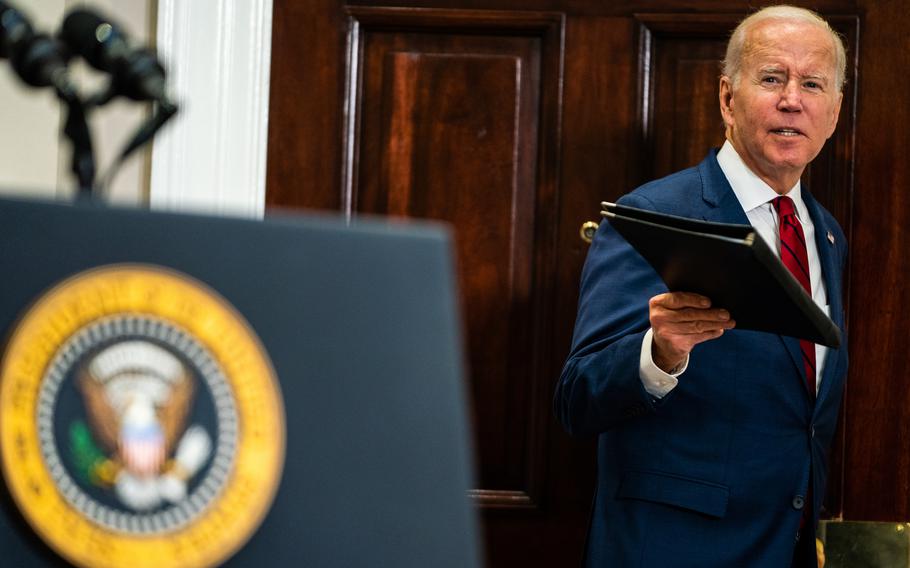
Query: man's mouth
[[787, 131]]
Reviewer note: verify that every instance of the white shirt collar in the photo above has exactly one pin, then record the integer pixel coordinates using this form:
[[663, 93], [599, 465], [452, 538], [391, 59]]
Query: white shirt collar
[[750, 190]]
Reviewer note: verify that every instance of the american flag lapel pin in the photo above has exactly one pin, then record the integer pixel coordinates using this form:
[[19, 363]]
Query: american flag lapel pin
[[830, 238]]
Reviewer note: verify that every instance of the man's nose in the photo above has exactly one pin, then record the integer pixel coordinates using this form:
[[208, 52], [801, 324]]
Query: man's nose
[[790, 97]]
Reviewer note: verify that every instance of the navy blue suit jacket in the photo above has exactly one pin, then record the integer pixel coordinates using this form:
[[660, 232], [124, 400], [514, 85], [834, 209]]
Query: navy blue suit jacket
[[717, 472]]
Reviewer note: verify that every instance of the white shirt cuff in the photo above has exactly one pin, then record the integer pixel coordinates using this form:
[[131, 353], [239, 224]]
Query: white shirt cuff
[[656, 382]]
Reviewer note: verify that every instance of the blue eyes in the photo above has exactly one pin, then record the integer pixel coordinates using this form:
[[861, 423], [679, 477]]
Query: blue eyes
[[775, 80]]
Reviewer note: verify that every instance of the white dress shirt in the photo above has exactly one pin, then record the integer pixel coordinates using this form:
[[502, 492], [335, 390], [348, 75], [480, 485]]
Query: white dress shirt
[[755, 197]]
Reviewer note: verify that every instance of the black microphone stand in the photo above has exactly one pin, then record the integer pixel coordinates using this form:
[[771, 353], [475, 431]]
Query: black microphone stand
[[77, 131], [162, 111]]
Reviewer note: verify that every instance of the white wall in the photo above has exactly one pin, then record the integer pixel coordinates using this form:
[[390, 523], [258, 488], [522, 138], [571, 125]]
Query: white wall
[[29, 122]]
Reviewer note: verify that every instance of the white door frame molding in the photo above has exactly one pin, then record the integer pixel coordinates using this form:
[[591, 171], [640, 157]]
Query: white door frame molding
[[213, 157]]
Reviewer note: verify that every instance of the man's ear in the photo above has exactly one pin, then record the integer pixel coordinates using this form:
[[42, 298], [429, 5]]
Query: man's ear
[[725, 97]]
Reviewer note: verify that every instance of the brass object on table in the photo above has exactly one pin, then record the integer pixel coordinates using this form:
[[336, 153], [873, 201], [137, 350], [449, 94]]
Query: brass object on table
[[851, 544]]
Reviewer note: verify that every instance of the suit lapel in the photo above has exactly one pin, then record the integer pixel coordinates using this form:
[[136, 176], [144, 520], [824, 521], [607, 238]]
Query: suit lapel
[[724, 207], [831, 275], [721, 203]]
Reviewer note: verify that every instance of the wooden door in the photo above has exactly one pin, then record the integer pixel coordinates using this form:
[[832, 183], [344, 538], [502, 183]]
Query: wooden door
[[512, 121]]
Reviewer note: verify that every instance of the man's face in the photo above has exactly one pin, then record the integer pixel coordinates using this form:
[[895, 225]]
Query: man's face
[[785, 103]]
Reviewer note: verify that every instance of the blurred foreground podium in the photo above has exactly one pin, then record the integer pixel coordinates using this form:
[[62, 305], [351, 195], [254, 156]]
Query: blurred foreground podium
[[182, 390]]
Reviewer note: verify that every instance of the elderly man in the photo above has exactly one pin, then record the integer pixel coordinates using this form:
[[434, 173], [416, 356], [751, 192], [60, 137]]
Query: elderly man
[[713, 441]]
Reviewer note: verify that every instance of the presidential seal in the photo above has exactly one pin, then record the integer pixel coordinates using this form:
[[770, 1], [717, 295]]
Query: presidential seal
[[141, 423]]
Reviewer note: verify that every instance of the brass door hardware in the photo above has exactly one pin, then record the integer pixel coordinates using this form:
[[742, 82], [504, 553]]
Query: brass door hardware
[[587, 231]]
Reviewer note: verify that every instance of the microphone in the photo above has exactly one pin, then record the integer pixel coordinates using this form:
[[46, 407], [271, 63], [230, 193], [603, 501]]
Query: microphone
[[40, 63], [135, 73], [36, 58], [14, 29]]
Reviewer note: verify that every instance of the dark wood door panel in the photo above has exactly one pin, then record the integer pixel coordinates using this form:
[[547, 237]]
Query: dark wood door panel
[[306, 95], [447, 150], [686, 118], [877, 453], [455, 118], [616, 8]]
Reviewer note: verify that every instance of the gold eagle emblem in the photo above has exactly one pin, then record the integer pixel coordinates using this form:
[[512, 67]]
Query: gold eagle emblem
[[137, 397]]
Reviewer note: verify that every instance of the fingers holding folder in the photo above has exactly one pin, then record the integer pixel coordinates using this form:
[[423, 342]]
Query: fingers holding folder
[[680, 321]]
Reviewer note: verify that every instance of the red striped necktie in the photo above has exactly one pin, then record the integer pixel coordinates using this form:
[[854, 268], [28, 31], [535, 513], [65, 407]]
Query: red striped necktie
[[794, 256]]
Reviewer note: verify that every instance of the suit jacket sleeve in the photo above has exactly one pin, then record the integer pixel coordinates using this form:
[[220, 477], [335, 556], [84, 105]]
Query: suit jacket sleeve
[[600, 385]]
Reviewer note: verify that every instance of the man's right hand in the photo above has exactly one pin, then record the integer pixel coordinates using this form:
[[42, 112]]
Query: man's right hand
[[680, 321]]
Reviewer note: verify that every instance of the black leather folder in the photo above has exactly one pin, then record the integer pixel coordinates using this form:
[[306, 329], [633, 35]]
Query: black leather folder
[[730, 264]]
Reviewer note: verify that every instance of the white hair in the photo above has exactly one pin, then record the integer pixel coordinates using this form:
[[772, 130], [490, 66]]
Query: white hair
[[737, 48]]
